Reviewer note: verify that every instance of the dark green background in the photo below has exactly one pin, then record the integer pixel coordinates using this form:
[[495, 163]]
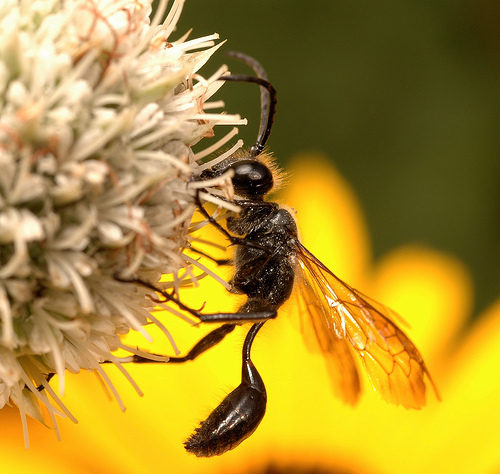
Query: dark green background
[[403, 96]]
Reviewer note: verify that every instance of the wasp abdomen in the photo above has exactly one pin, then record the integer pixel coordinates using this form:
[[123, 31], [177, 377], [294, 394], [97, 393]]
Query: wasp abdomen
[[234, 420]]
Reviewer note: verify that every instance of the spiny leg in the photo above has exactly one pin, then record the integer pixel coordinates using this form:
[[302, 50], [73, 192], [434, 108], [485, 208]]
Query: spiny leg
[[236, 318], [210, 218], [47, 378], [207, 342], [218, 261], [232, 239], [230, 320]]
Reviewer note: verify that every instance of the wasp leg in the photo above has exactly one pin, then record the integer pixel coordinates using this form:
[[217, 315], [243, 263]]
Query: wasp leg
[[250, 316], [210, 219], [47, 378], [214, 337], [238, 415], [207, 342], [218, 261], [230, 320], [238, 318], [210, 340], [232, 239]]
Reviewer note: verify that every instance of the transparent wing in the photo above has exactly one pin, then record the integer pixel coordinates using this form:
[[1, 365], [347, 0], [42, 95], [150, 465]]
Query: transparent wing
[[341, 314], [316, 328]]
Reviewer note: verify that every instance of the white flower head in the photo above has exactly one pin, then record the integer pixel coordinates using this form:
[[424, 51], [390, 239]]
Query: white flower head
[[99, 110]]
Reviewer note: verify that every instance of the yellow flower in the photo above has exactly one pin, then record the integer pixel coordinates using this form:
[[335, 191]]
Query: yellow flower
[[305, 426]]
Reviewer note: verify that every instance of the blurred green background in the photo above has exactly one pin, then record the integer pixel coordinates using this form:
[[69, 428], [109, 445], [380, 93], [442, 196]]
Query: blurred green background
[[403, 96]]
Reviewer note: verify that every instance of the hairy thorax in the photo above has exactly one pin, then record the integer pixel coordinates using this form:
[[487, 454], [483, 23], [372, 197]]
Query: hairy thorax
[[265, 271]]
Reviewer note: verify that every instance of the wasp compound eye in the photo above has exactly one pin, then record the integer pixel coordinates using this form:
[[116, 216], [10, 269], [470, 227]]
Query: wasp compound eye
[[252, 179]]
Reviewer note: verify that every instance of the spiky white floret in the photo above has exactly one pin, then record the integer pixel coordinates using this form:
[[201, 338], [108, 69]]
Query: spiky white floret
[[98, 113]]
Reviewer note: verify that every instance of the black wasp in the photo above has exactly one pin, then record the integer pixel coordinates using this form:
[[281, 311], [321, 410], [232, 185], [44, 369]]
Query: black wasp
[[270, 262]]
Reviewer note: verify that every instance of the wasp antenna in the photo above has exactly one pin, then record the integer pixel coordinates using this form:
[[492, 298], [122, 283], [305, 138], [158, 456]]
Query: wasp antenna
[[268, 98], [249, 61]]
